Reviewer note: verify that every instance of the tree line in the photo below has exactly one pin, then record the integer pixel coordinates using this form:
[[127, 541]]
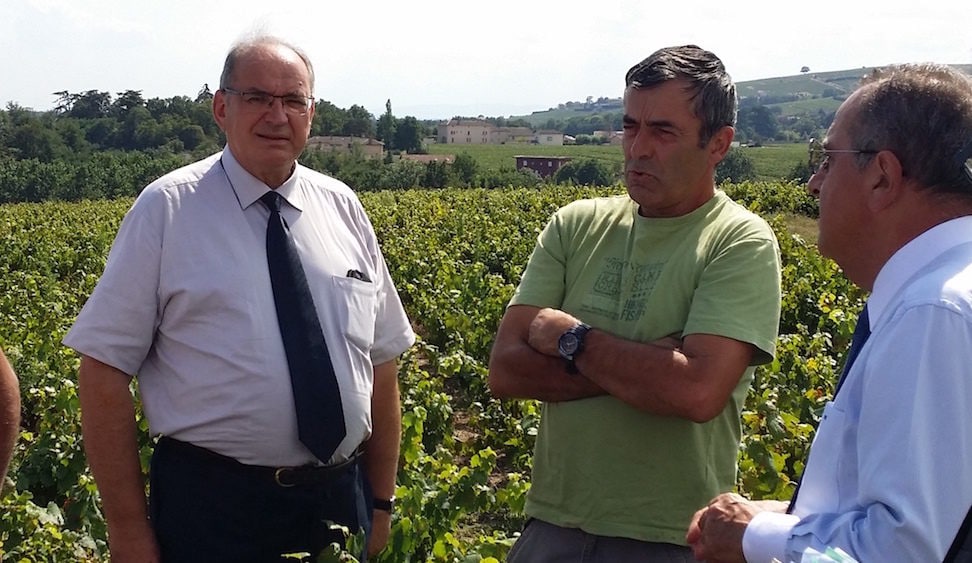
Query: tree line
[[93, 145], [83, 123], [756, 123]]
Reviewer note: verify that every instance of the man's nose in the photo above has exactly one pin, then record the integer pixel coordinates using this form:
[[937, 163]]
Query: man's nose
[[641, 146], [813, 185], [276, 111]]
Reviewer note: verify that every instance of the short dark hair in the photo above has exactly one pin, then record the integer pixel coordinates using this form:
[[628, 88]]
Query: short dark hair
[[242, 47], [713, 92], [923, 114]]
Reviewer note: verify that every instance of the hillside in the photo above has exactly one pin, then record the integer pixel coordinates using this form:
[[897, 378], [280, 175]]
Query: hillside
[[799, 93]]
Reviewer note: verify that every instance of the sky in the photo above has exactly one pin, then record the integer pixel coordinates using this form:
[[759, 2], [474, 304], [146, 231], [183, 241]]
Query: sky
[[437, 59]]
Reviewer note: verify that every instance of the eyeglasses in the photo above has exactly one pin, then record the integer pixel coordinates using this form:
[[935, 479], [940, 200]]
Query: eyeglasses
[[819, 157], [257, 101], [967, 164]]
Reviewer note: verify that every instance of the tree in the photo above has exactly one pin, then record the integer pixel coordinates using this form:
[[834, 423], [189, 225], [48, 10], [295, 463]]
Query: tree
[[192, 136], [506, 177], [758, 123], [91, 105], [465, 168], [328, 119], [408, 135], [804, 69], [129, 134], [204, 94], [736, 167], [101, 132], [125, 102], [402, 175], [33, 139], [585, 172], [386, 127], [437, 174], [360, 122], [63, 103]]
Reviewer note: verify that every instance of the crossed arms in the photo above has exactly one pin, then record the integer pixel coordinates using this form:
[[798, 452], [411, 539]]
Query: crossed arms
[[692, 378]]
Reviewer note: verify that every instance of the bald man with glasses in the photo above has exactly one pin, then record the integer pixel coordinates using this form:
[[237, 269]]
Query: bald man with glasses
[[249, 295], [887, 478]]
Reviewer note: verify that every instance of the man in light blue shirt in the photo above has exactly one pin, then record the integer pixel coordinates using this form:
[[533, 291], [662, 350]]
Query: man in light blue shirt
[[887, 477]]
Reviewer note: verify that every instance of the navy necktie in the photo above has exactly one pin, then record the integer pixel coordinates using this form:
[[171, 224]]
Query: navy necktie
[[861, 333], [317, 397]]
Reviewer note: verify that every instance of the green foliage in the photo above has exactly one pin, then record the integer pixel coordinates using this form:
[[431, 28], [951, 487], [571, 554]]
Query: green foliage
[[764, 198], [465, 167], [735, 167], [498, 156], [456, 256], [757, 123], [508, 177], [587, 172], [100, 175]]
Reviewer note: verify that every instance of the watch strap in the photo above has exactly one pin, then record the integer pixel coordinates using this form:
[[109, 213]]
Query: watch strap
[[386, 505]]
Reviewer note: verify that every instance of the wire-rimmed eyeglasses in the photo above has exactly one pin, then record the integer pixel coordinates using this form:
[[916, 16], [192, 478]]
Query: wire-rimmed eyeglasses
[[819, 157], [256, 100]]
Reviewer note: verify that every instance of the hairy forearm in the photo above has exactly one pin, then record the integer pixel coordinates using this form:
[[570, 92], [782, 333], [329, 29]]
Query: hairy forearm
[[518, 371], [9, 414], [109, 430], [652, 378], [381, 451], [691, 379], [692, 382]]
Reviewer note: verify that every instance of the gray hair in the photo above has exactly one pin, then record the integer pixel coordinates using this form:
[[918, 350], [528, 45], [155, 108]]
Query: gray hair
[[712, 91], [243, 47], [923, 114]]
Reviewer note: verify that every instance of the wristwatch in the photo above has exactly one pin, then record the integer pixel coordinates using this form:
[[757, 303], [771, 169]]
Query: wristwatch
[[571, 344], [386, 505]]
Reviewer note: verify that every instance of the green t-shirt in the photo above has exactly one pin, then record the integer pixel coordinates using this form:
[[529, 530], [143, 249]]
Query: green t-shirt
[[600, 464]]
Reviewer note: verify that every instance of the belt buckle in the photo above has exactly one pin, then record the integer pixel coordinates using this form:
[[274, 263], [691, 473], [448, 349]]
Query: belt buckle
[[277, 474]]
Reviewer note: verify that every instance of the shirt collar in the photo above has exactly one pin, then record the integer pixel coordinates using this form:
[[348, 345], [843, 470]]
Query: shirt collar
[[912, 258], [249, 189]]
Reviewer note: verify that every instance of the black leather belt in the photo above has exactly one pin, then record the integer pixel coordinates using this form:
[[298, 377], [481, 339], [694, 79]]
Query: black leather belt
[[301, 476]]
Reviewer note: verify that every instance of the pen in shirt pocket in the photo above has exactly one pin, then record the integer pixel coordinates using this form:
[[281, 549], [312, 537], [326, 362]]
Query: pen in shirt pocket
[[358, 275]]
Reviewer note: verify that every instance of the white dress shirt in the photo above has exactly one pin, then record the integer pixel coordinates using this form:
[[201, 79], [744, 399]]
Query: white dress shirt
[[186, 303], [888, 476]]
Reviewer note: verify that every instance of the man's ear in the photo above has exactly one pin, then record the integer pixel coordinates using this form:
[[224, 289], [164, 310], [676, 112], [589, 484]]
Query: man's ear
[[219, 108], [720, 143], [885, 179]]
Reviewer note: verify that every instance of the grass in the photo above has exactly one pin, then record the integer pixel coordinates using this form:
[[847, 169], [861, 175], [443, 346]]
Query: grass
[[809, 105], [805, 227], [775, 162]]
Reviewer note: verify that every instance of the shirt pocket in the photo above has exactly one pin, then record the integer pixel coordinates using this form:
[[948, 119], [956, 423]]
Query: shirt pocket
[[356, 305]]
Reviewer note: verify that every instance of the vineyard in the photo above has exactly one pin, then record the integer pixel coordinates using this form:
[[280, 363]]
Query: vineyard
[[456, 256]]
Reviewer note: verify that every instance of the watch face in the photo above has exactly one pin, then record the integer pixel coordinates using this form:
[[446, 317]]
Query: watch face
[[568, 343]]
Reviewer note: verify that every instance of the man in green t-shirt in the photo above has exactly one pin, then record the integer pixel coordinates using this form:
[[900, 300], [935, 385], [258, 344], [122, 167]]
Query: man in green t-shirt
[[638, 322]]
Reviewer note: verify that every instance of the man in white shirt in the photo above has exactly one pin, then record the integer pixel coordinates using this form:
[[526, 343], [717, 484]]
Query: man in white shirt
[[887, 476], [186, 302]]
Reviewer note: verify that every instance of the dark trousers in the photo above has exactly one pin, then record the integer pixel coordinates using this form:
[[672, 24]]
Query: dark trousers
[[210, 508]]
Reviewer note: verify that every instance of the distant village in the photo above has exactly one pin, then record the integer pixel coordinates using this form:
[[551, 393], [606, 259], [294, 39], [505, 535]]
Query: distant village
[[469, 131]]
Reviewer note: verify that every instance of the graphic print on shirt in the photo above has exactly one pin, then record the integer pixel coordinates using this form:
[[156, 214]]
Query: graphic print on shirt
[[622, 289]]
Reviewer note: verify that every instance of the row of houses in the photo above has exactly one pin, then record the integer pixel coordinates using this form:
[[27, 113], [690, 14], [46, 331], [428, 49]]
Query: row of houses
[[545, 166], [481, 132]]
